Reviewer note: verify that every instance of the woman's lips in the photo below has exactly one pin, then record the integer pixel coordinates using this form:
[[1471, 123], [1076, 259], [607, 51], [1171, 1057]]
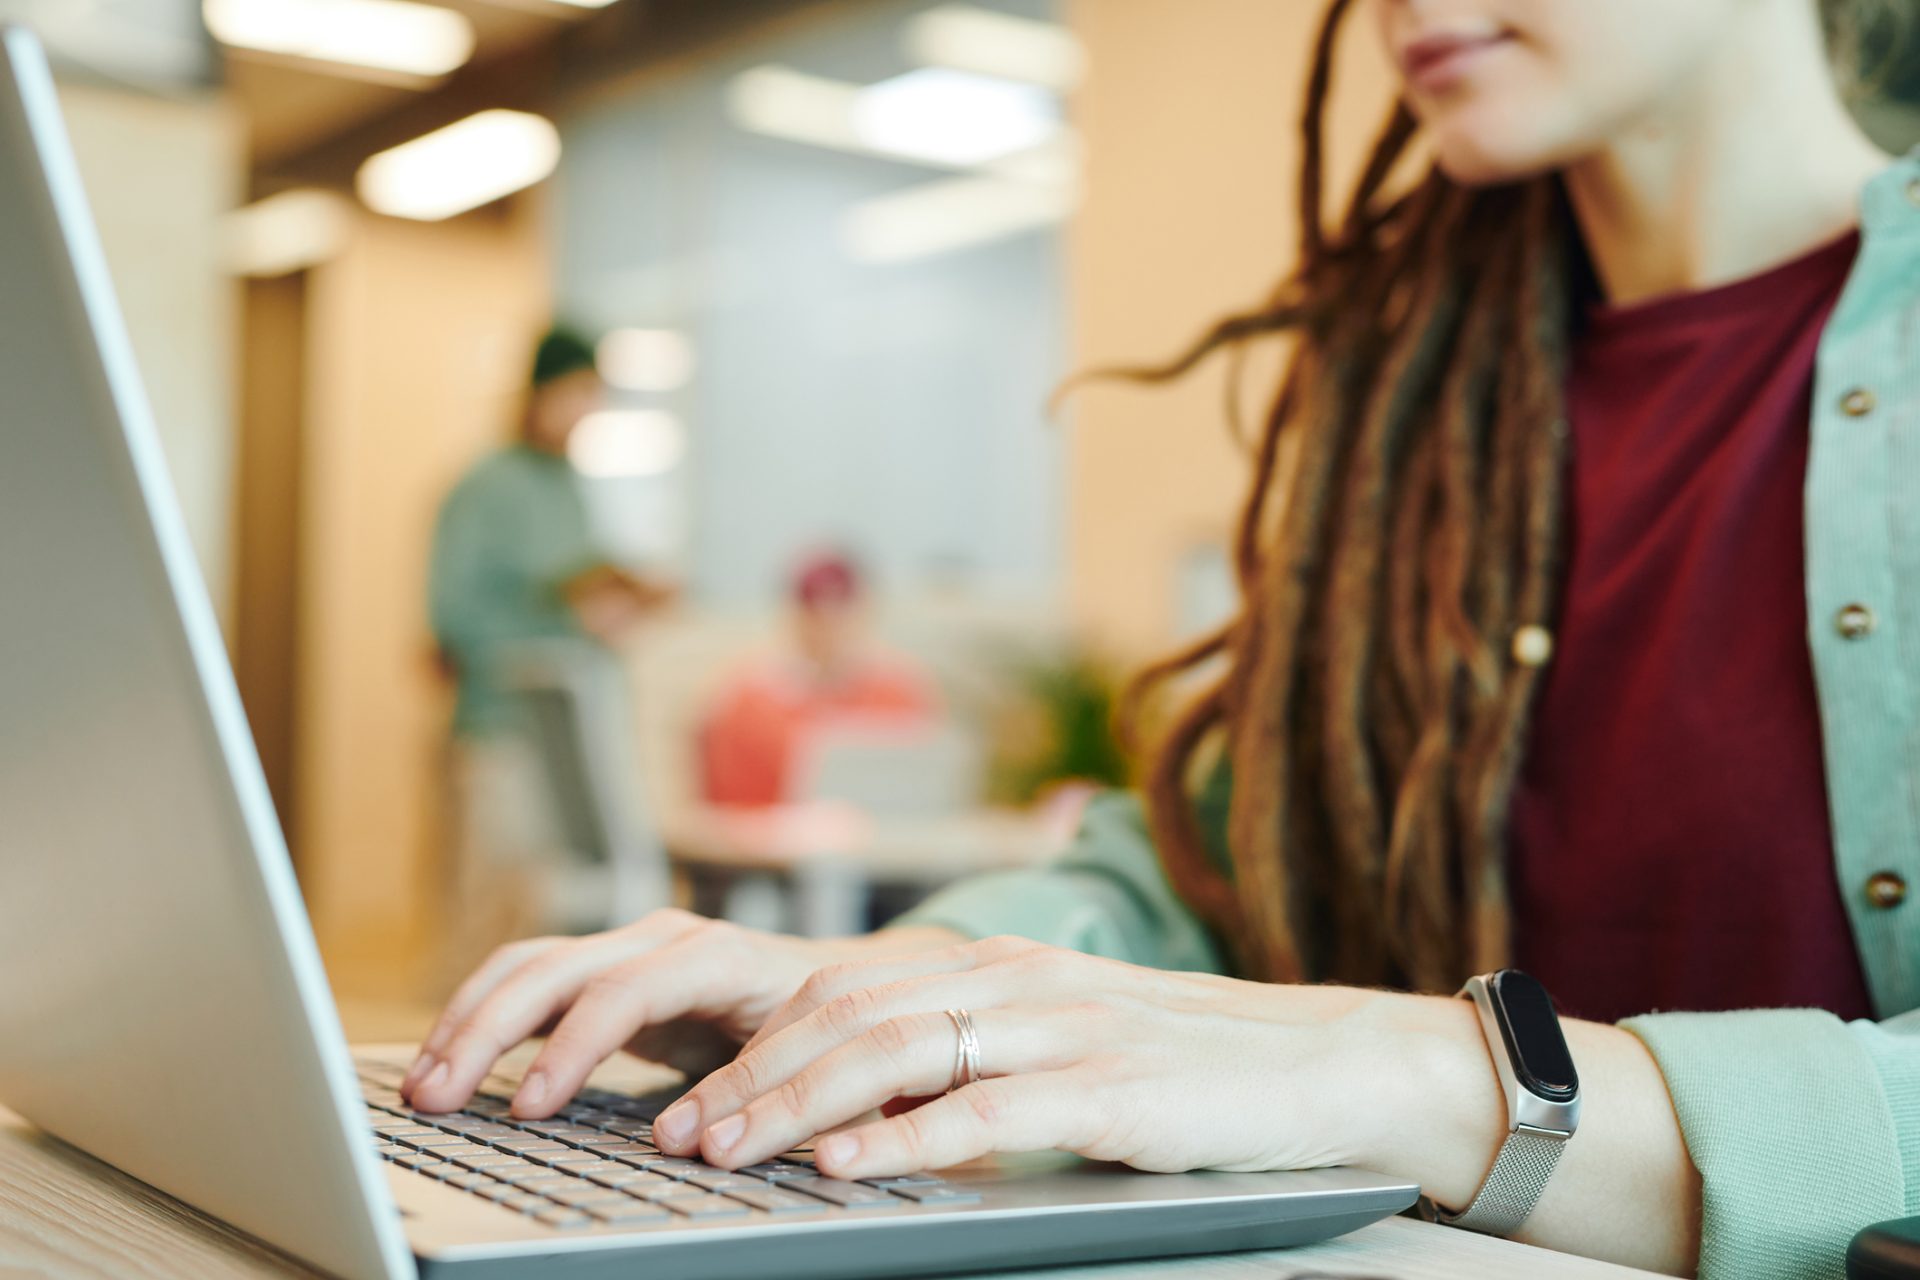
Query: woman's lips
[[1435, 64]]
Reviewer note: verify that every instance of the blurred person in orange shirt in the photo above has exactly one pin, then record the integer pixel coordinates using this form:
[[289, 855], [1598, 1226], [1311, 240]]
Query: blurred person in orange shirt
[[755, 736]]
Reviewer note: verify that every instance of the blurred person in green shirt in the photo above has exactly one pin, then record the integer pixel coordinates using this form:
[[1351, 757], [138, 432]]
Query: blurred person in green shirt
[[517, 579]]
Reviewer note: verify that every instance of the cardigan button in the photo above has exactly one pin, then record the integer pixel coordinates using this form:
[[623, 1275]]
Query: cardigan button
[[1532, 646], [1857, 403], [1913, 191], [1886, 890], [1854, 622]]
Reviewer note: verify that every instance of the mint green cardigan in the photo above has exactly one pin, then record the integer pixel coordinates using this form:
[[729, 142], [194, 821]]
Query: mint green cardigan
[[1803, 1128]]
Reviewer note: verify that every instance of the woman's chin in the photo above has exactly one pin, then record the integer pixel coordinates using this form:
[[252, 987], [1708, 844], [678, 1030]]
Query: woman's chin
[[1474, 162]]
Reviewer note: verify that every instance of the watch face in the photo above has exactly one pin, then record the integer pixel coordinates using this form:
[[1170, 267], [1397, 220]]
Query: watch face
[[1532, 1033]]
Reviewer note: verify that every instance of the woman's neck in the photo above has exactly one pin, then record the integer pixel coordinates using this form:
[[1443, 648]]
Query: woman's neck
[[1753, 164]]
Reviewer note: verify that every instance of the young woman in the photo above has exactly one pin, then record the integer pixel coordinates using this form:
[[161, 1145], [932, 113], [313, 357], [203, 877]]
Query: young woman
[[1581, 632]]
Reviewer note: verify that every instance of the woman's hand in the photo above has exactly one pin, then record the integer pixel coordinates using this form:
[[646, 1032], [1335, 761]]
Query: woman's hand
[[667, 978], [1163, 1071], [1172, 1071]]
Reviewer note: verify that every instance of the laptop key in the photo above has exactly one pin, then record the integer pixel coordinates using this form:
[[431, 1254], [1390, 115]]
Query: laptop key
[[561, 1159], [848, 1195], [469, 1181], [599, 1166], [705, 1206], [491, 1160], [661, 1189], [563, 1219], [629, 1128], [499, 1191], [527, 1175], [776, 1171], [629, 1213], [725, 1182], [682, 1169], [428, 1141], [583, 1195], [648, 1160], [418, 1162], [596, 1139], [773, 1200], [936, 1193], [524, 1202]]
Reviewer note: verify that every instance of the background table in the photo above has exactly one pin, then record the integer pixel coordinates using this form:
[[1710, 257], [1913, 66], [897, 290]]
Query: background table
[[832, 856]]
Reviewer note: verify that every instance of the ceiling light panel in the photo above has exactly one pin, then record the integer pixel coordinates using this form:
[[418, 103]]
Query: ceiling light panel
[[956, 118], [463, 166], [383, 35], [968, 38]]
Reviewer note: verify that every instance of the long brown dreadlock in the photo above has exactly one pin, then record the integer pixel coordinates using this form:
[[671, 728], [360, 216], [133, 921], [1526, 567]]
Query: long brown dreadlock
[[1372, 707], [1378, 678]]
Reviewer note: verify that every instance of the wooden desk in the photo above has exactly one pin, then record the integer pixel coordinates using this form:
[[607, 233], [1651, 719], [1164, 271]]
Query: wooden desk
[[832, 854]]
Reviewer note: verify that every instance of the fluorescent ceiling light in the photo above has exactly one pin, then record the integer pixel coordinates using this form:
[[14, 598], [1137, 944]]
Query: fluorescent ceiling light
[[386, 35], [967, 38], [950, 215], [780, 102], [646, 359], [286, 233], [463, 166], [626, 444], [941, 119], [954, 117]]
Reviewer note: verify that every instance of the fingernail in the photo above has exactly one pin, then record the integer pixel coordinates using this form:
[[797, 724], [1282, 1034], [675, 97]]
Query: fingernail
[[727, 1132], [533, 1091], [677, 1123], [414, 1072], [840, 1149], [437, 1076]]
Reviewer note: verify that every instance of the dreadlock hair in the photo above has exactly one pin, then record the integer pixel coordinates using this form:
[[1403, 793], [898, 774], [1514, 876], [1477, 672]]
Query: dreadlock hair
[[1371, 701]]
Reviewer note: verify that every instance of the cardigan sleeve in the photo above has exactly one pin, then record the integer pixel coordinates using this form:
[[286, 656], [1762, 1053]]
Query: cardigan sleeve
[[1106, 895], [1804, 1129]]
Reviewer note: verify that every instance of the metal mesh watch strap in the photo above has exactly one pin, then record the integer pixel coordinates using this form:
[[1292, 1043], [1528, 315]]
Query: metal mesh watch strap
[[1520, 1172]]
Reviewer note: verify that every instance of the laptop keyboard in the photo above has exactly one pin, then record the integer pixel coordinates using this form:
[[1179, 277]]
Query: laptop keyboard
[[594, 1165]]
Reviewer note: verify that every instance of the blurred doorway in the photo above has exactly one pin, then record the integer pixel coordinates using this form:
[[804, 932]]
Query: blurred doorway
[[267, 523]]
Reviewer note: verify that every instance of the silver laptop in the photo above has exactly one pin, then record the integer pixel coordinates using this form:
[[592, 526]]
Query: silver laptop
[[162, 1004]]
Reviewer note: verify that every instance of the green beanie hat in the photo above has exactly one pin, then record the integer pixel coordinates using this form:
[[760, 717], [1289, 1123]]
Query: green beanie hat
[[561, 352]]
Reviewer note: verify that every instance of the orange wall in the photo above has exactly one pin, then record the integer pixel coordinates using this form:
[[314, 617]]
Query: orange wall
[[1190, 115], [417, 342]]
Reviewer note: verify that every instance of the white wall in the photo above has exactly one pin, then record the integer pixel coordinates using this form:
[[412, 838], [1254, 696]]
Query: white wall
[[159, 174], [895, 409]]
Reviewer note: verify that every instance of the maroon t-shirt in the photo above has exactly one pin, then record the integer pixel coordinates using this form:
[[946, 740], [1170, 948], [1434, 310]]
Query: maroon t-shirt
[[1670, 841]]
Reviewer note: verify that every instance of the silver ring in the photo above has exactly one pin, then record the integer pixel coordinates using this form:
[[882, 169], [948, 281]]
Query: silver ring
[[966, 1053]]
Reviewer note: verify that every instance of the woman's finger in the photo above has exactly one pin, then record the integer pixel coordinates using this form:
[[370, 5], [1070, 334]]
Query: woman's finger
[[687, 976], [527, 1000], [480, 984], [1048, 1111], [911, 1055], [835, 981], [768, 1065]]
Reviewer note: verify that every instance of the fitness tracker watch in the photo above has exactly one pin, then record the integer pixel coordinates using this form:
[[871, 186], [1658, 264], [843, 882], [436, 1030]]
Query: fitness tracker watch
[[1543, 1099]]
